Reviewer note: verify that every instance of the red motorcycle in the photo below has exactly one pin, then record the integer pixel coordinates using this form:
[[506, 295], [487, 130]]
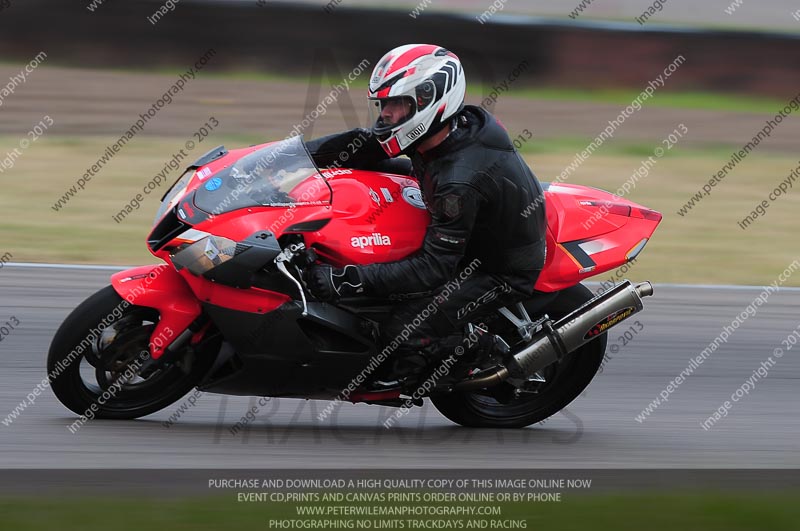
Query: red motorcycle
[[228, 312]]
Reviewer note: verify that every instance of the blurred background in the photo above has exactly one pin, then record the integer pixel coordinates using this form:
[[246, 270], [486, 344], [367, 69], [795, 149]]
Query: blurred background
[[557, 70]]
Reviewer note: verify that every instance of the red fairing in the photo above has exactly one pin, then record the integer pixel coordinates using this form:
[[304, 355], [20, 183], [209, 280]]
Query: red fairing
[[251, 300], [162, 288], [377, 217], [177, 298]]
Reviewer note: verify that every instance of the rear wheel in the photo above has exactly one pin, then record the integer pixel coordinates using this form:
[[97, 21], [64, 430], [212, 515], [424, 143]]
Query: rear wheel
[[501, 407], [109, 372]]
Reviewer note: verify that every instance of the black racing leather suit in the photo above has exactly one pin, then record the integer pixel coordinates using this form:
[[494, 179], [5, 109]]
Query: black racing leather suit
[[486, 208]]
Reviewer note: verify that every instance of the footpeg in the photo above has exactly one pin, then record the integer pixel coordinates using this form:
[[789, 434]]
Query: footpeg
[[491, 344]]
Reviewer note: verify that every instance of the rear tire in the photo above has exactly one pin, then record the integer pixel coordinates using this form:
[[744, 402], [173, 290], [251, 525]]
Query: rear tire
[[82, 369], [565, 381]]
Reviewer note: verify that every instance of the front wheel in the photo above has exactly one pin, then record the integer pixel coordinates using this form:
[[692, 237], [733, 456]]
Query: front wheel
[[99, 361], [501, 407]]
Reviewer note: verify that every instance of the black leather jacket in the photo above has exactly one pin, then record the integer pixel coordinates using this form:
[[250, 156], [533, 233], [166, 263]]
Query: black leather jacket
[[476, 187]]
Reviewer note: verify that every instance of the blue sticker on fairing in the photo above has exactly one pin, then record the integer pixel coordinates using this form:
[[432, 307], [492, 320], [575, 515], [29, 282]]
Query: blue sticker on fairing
[[213, 184]]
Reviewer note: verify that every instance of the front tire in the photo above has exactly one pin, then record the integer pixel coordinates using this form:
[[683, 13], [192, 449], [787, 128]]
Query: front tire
[[565, 380], [86, 364]]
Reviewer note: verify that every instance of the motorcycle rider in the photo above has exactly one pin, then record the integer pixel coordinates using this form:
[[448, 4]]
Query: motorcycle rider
[[475, 186]]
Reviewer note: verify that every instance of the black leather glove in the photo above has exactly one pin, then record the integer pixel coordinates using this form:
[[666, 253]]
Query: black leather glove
[[328, 284]]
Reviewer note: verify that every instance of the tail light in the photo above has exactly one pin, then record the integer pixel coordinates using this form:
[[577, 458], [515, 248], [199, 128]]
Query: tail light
[[610, 208], [624, 210], [646, 213]]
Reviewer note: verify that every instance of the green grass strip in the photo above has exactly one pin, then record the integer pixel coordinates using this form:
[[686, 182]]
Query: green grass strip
[[653, 511]]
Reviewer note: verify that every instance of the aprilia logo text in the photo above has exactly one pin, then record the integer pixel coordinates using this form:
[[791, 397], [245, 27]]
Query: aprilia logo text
[[374, 239]]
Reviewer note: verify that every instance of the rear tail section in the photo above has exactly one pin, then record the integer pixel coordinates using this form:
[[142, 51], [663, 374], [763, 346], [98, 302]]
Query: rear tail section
[[590, 231]]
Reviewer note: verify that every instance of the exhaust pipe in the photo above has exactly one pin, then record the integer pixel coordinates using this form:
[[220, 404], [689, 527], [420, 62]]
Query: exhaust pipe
[[571, 332]]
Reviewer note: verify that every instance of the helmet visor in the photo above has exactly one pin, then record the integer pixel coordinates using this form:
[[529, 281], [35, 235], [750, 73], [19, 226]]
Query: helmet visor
[[388, 113]]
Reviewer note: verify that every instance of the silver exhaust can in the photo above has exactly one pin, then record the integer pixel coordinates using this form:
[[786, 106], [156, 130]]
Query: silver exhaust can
[[594, 318]]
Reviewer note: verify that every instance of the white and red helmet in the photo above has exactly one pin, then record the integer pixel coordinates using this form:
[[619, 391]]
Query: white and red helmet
[[431, 78]]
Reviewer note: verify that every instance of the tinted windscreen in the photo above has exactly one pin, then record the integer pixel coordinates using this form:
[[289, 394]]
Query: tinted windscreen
[[281, 175]]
